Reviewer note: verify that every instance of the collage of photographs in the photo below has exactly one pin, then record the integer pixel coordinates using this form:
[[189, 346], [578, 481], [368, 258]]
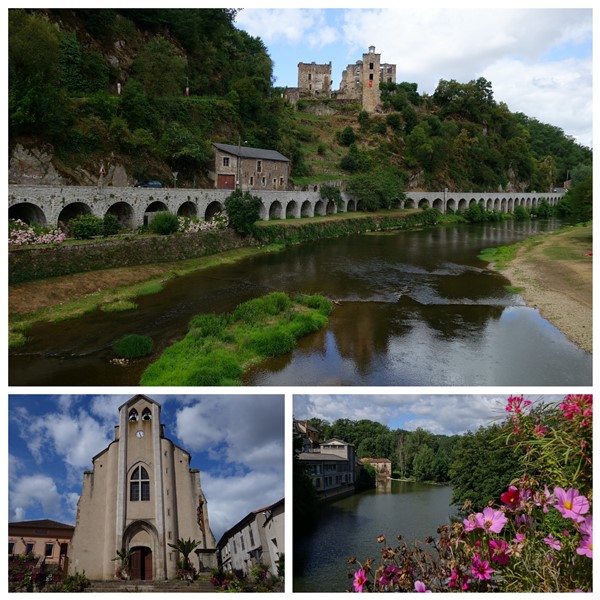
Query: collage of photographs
[[300, 299]]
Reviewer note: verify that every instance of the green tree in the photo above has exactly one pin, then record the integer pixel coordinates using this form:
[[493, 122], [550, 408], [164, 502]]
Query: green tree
[[424, 464], [482, 467], [243, 210]]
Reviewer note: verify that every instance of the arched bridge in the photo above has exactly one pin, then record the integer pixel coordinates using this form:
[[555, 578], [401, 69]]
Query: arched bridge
[[49, 206]]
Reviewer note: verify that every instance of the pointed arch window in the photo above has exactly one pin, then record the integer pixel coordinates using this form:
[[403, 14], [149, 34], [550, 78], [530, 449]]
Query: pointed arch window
[[139, 485], [133, 415], [146, 415]]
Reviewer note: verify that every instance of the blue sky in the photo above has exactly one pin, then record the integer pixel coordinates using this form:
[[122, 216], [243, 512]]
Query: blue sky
[[539, 60], [236, 441], [446, 414]]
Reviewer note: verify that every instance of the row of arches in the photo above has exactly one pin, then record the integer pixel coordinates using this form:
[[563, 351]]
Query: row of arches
[[130, 218], [32, 214]]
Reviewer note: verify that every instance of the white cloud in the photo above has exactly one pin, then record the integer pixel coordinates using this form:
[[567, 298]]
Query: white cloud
[[250, 428], [441, 414], [32, 491], [292, 25]]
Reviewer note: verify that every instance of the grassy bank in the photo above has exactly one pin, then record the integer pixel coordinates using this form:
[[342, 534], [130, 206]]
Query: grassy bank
[[219, 348], [71, 296]]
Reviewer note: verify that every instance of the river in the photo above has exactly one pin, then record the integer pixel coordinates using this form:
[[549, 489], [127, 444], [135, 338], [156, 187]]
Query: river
[[412, 308], [350, 527]]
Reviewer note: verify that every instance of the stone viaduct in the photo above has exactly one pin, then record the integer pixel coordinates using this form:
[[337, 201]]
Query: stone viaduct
[[49, 206]]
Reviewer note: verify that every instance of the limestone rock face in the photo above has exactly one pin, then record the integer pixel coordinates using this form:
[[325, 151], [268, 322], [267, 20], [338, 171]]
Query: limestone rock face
[[33, 166]]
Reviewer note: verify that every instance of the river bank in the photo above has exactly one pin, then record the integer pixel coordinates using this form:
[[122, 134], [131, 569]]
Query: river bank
[[553, 273]]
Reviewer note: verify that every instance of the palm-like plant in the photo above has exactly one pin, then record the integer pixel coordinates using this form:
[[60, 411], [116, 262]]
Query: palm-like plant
[[124, 556], [185, 548]]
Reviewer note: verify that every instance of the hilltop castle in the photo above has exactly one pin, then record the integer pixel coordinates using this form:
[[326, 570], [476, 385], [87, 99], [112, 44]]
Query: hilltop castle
[[360, 81]]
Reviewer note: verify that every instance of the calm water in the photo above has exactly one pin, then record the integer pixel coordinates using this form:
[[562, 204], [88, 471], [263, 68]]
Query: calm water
[[412, 308], [350, 527]]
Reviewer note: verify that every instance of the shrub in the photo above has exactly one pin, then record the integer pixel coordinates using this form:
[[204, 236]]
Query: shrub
[[164, 223], [133, 346], [110, 224], [206, 325], [272, 342], [85, 227], [521, 213], [243, 210]]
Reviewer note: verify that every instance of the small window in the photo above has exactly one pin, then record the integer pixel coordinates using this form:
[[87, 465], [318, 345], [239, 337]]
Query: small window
[[29, 548], [64, 549], [11, 548], [242, 540], [371, 66], [251, 537], [252, 180], [49, 549], [133, 415], [226, 161], [146, 415], [259, 166]]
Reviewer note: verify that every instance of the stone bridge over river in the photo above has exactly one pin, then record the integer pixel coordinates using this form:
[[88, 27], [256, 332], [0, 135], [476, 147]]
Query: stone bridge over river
[[47, 205]]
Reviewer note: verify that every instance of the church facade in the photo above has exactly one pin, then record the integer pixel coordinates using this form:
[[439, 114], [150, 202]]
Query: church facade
[[140, 496]]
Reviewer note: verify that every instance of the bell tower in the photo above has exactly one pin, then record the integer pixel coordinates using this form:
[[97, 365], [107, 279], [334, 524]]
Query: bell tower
[[370, 80]]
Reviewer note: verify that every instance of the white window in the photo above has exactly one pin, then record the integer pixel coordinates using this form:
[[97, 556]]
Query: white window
[[226, 161]]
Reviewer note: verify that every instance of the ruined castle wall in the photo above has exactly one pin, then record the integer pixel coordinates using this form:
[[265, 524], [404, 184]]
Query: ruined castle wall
[[314, 79]]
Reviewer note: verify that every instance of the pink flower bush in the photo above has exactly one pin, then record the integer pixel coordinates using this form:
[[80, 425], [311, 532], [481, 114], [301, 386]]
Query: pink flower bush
[[21, 234]]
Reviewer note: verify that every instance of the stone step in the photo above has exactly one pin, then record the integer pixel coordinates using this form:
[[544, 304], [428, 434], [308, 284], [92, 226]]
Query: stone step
[[150, 586]]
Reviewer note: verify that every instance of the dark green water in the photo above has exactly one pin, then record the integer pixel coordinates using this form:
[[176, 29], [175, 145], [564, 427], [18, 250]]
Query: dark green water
[[350, 527], [412, 308]]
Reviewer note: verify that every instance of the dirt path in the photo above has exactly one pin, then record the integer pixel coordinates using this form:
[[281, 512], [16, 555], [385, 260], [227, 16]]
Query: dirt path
[[554, 274]]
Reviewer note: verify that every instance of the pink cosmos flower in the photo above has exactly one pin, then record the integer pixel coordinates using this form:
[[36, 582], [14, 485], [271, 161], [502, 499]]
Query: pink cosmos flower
[[481, 568], [586, 547], [421, 588], [470, 522], [458, 580], [554, 544], [586, 527], [498, 553], [570, 504], [360, 579], [491, 520]]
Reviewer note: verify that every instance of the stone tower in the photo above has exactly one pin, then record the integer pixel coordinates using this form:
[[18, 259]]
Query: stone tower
[[141, 495], [370, 76]]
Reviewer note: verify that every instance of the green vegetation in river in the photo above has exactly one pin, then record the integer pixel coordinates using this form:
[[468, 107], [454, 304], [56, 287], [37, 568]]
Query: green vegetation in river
[[219, 347]]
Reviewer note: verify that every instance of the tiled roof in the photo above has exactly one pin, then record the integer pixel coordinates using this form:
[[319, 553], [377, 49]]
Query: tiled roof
[[41, 524]]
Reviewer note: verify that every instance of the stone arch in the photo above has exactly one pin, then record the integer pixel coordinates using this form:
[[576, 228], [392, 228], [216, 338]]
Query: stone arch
[[409, 203], [331, 208], [291, 210], [472, 202], [462, 205], [214, 208], [497, 204], [503, 205], [438, 204], [450, 204], [124, 212], [510, 205], [187, 209], [141, 535], [489, 204], [351, 206], [27, 212], [320, 208], [423, 203], [70, 211], [306, 209], [275, 210]]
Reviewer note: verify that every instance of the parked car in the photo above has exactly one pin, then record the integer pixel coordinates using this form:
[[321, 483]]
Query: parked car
[[149, 184]]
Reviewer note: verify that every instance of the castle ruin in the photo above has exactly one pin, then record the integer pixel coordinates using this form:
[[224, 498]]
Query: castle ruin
[[360, 81]]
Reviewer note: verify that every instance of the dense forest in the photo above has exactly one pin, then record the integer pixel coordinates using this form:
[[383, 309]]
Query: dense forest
[[151, 89]]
